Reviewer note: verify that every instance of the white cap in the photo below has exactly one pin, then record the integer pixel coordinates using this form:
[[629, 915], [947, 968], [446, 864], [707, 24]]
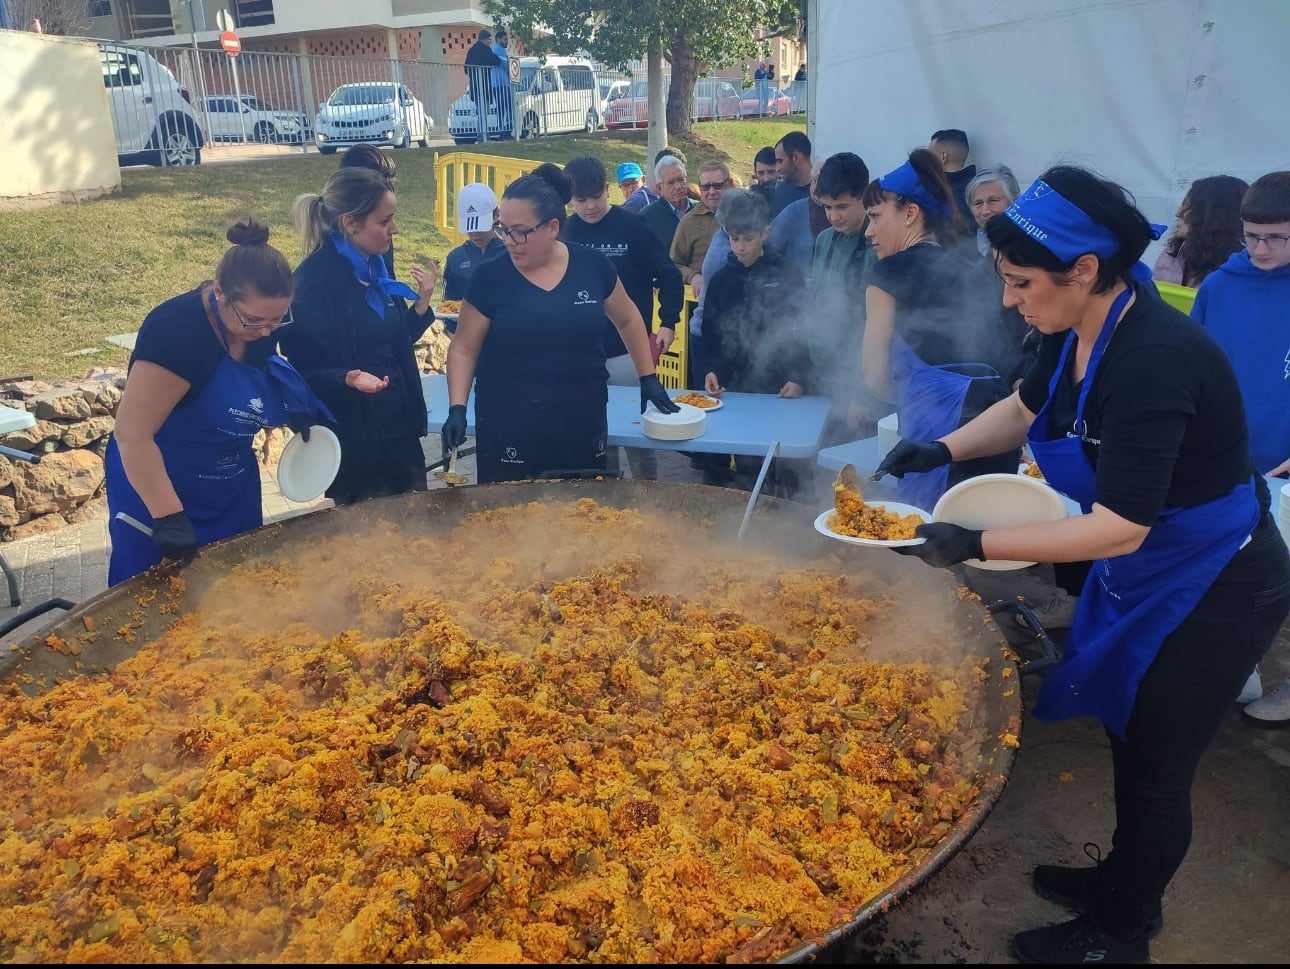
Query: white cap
[[475, 205]]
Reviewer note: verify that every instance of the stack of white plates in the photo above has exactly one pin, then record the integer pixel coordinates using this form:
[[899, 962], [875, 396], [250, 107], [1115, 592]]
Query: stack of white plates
[[1283, 513], [888, 434]]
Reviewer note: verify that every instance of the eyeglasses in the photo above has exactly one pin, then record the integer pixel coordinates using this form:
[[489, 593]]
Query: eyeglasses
[[270, 327], [517, 236], [711, 186], [1275, 241]]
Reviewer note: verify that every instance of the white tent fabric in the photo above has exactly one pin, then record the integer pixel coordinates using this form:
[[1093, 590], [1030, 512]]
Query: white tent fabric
[[1151, 93]]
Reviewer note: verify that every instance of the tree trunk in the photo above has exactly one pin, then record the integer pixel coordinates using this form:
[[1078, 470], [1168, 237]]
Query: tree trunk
[[680, 93], [657, 103]]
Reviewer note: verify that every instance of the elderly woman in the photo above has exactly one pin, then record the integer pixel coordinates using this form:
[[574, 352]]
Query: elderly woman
[[1135, 412], [989, 192], [933, 339]]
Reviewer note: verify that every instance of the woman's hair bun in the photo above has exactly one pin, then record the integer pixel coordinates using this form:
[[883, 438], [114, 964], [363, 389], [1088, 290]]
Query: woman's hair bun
[[557, 179], [248, 233]]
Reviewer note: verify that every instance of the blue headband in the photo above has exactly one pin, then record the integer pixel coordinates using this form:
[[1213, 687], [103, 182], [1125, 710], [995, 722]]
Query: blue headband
[[904, 181], [1061, 226]]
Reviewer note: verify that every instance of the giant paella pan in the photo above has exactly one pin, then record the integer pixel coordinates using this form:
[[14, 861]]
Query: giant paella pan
[[565, 721]]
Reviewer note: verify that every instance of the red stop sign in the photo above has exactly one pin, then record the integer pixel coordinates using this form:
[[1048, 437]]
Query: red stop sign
[[231, 43]]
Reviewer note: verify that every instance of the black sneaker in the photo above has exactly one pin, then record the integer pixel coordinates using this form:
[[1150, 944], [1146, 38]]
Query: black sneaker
[[1078, 941], [1074, 887]]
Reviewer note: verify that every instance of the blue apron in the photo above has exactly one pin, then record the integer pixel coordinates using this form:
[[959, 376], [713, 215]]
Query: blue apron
[[206, 445], [1129, 603], [930, 406]]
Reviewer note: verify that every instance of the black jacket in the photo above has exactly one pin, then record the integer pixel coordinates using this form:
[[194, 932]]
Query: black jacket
[[958, 182], [336, 331], [750, 334]]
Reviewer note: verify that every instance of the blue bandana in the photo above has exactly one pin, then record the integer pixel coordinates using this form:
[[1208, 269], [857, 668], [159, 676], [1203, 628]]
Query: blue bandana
[[904, 181], [1061, 226], [371, 270]]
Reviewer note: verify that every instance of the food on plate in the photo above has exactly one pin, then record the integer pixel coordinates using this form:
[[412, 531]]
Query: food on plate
[[449, 306], [852, 516], [696, 400], [1032, 470], [577, 744]]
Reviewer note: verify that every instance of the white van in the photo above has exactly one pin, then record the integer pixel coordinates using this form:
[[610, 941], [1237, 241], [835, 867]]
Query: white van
[[152, 113], [554, 96]]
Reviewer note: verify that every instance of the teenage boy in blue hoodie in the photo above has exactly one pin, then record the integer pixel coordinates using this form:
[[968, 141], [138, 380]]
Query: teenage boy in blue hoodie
[[1245, 304]]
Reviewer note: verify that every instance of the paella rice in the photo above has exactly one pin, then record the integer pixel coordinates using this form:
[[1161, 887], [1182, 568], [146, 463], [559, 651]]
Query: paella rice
[[853, 516], [540, 756]]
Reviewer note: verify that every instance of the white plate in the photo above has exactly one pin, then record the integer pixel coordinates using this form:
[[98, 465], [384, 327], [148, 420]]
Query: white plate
[[445, 316], [998, 501], [707, 410], [899, 508], [305, 471]]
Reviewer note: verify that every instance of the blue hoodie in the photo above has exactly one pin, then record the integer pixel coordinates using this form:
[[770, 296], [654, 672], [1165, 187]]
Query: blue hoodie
[[1247, 310]]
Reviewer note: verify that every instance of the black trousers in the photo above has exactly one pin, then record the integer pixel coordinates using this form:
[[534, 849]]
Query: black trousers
[[523, 439], [1180, 705], [400, 469]]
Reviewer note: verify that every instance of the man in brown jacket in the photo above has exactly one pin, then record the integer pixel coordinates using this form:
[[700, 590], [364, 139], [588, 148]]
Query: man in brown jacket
[[695, 231]]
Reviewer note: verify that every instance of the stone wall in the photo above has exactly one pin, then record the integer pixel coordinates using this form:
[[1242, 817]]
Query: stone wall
[[73, 422]]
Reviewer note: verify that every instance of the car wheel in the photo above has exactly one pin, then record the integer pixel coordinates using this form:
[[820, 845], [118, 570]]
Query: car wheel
[[176, 145], [531, 128], [266, 134], [593, 122], [327, 149], [406, 141]]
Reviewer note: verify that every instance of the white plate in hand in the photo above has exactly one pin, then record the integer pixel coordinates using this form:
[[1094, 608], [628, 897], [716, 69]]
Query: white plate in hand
[[895, 507], [306, 470], [999, 501]]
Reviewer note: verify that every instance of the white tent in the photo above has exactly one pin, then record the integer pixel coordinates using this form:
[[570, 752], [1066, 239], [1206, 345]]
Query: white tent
[[1151, 93]]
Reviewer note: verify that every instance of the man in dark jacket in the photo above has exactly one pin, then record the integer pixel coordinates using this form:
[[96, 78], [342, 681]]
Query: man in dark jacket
[[480, 61], [950, 145]]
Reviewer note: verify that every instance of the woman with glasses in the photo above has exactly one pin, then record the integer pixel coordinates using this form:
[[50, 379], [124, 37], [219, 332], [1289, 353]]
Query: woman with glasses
[[355, 331], [530, 337], [1134, 412], [203, 380]]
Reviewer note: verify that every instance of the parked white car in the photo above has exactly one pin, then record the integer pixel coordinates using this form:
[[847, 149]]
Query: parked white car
[[152, 113], [369, 113], [556, 96], [247, 118]]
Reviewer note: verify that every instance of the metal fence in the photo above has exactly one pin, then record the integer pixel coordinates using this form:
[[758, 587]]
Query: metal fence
[[293, 101]]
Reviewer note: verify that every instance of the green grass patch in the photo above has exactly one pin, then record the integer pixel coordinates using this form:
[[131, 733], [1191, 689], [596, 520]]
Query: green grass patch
[[73, 275]]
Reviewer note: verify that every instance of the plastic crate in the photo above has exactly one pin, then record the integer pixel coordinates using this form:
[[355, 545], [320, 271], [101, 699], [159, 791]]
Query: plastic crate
[[673, 366], [1179, 297]]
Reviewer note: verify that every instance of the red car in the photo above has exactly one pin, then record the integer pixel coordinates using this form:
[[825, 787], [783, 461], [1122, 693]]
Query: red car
[[713, 99], [777, 103]]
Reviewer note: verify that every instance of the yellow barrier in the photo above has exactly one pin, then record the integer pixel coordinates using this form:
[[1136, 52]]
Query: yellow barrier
[[1179, 297], [456, 169]]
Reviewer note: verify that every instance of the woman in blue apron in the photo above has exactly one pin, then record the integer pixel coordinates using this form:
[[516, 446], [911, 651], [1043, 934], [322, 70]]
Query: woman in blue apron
[[932, 337], [202, 381], [1134, 412]]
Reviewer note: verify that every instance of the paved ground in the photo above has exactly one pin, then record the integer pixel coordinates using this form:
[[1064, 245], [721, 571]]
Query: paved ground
[[1230, 902]]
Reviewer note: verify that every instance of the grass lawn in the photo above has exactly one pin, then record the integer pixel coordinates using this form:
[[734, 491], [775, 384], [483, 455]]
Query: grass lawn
[[72, 275]]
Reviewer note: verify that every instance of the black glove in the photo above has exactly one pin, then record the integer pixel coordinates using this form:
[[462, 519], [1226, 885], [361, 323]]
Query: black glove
[[454, 428], [175, 536], [300, 423], [913, 456], [653, 392], [946, 544]]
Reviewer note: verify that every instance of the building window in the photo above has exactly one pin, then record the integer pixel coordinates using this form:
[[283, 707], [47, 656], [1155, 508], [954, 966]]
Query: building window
[[100, 8], [254, 13]]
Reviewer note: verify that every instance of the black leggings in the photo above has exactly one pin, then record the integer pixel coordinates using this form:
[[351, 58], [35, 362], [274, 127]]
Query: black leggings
[[1181, 702]]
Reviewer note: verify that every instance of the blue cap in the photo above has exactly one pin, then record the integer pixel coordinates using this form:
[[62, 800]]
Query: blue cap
[[629, 170]]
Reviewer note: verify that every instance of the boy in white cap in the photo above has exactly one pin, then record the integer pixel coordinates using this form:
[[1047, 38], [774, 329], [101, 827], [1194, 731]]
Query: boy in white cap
[[476, 213]]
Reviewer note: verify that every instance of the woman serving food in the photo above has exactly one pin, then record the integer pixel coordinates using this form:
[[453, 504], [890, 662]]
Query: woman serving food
[[1133, 411]]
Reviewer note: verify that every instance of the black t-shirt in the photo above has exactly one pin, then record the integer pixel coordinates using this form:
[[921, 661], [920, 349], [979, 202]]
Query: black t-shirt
[[641, 263], [1165, 420], [178, 336], [786, 193], [542, 346]]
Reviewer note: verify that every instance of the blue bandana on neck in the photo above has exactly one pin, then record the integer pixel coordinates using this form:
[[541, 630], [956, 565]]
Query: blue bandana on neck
[[904, 181], [371, 270], [1061, 226]]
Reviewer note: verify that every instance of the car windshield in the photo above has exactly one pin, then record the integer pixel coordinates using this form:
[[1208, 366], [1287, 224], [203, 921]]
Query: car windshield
[[640, 89], [363, 94], [526, 76]]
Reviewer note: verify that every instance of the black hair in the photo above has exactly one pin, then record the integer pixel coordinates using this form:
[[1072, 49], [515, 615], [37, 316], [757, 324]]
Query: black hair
[[955, 137], [796, 141], [587, 175], [764, 156], [946, 223], [546, 188], [371, 157], [1267, 201], [674, 152], [252, 266], [1211, 211], [1106, 203], [842, 174]]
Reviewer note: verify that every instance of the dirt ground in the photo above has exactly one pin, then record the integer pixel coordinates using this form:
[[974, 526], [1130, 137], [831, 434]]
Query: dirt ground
[[1229, 903]]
